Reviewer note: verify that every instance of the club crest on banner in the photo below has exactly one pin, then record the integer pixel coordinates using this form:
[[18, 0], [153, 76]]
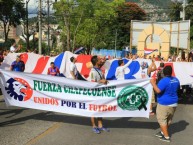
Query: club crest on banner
[[19, 89], [133, 98]]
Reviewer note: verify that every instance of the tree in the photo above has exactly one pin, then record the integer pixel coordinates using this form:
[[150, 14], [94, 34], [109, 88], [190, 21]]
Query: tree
[[92, 23], [64, 10], [11, 14], [189, 11], [175, 8], [189, 16], [125, 13], [96, 29]]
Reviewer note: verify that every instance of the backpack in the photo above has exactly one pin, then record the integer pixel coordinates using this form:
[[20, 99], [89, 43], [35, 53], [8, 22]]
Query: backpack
[[160, 75], [79, 76]]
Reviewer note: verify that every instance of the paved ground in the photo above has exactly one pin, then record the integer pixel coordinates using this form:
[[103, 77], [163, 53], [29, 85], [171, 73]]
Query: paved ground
[[20, 126]]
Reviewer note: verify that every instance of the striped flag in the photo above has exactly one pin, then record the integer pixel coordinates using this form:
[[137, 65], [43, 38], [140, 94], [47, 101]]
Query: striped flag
[[79, 50], [149, 51]]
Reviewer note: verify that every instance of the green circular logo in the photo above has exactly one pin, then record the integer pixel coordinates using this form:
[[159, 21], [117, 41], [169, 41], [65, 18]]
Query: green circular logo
[[133, 98]]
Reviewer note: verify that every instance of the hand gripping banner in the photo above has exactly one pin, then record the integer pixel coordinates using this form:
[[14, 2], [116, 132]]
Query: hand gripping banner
[[128, 98]]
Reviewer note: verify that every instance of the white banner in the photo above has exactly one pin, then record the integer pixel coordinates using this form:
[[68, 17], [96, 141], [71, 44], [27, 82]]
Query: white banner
[[38, 64], [129, 98]]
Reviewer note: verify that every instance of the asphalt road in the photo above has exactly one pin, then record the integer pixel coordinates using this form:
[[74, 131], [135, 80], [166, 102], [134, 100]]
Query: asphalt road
[[20, 126]]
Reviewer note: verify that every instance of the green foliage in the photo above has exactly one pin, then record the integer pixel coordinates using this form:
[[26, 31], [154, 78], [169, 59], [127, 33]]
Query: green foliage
[[11, 13], [175, 8], [94, 23], [34, 46], [125, 13], [190, 1], [189, 12], [6, 45]]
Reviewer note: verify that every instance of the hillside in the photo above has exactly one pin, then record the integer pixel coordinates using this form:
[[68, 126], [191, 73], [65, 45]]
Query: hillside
[[157, 10], [159, 3]]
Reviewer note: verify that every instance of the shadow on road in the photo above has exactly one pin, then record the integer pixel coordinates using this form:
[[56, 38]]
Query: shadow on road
[[12, 112], [178, 126], [50, 116], [117, 123]]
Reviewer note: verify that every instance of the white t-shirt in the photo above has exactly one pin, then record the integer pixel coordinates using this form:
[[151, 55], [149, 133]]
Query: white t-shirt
[[144, 73], [95, 75], [169, 60], [73, 68], [120, 71], [12, 49]]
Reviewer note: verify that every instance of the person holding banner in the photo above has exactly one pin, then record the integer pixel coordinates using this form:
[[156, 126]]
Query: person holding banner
[[97, 76], [167, 101], [151, 69], [73, 68], [53, 70]]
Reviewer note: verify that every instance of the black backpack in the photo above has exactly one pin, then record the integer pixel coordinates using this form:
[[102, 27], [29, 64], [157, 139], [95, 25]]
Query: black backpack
[[160, 75], [79, 77]]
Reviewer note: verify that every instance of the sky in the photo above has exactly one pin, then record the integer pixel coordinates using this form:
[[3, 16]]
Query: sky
[[33, 6]]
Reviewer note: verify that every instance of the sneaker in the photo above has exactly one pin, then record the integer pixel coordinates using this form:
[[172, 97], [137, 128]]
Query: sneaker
[[159, 134], [165, 139], [96, 130], [104, 129]]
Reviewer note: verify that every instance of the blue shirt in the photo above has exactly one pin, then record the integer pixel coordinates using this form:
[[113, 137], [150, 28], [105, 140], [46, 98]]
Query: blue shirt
[[18, 66], [168, 87]]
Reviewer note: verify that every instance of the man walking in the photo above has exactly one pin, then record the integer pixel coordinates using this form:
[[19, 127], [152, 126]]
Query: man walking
[[97, 76], [167, 101]]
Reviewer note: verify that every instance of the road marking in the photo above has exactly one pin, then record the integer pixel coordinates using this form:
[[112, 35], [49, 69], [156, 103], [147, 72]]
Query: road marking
[[48, 131]]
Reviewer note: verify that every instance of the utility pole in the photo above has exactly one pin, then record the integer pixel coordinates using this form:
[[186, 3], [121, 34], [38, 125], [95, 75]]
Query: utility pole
[[184, 12], [116, 43], [27, 25], [48, 26], [40, 27]]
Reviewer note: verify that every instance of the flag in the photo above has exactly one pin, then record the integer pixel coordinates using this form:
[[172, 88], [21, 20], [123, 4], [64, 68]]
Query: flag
[[35, 63], [133, 71], [79, 50], [149, 51]]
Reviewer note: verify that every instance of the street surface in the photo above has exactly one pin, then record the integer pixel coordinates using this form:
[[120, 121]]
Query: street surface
[[22, 126]]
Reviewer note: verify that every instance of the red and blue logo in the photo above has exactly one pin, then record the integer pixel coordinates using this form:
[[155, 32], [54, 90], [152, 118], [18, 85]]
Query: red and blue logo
[[19, 89]]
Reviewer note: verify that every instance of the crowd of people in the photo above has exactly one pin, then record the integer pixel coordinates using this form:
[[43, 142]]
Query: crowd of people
[[165, 87]]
